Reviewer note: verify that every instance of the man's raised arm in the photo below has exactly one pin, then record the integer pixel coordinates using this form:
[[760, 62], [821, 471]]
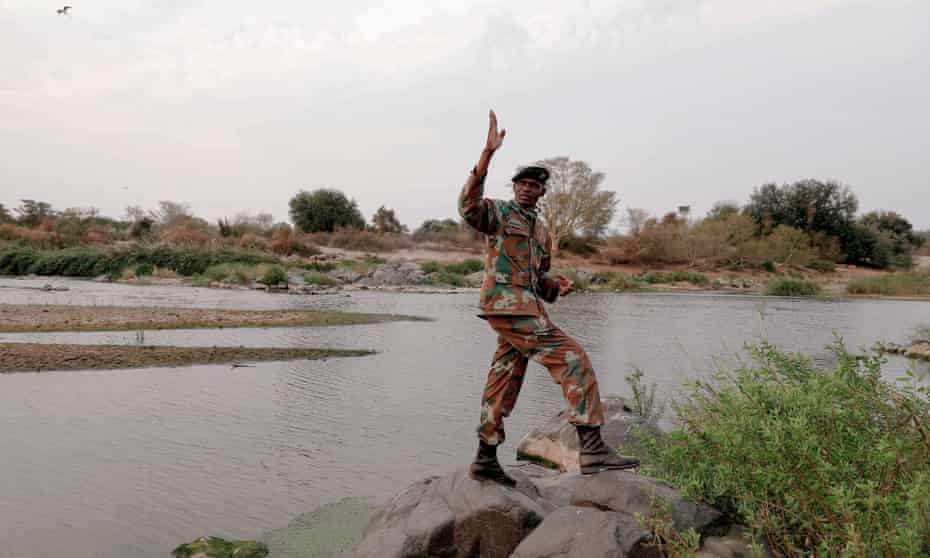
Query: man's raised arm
[[473, 207]]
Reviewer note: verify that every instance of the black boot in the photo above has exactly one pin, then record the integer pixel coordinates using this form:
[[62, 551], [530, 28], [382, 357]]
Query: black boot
[[486, 466], [595, 456]]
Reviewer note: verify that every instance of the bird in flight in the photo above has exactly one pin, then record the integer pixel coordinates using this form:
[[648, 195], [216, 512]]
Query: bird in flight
[[64, 11]]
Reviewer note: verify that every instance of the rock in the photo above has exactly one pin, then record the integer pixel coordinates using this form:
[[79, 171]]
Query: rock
[[576, 532], [454, 516], [345, 275], [215, 547], [585, 275], [396, 274], [475, 279], [555, 443], [322, 533]]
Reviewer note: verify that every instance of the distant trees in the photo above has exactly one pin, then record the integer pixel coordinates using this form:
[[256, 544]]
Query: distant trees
[[384, 221], [324, 210], [5, 215], [574, 202], [808, 205], [31, 213]]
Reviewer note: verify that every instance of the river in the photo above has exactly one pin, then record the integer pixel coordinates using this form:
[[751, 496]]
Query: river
[[131, 463]]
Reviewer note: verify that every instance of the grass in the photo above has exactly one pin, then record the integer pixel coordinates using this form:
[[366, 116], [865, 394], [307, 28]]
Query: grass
[[218, 548], [693, 277], [619, 282], [910, 283], [93, 262], [318, 278], [241, 274], [784, 286], [823, 266], [454, 274], [815, 462]]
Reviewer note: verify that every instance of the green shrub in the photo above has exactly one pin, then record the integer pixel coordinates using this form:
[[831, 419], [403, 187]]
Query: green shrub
[[911, 283], [769, 265], [621, 282], [273, 275], [322, 267], [144, 269], [453, 279], [815, 462], [430, 267], [318, 278], [242, 274], [693, 277], [784, 286], [823, 266], [466, 267]]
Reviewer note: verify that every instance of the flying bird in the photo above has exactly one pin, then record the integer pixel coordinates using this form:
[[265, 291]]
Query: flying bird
[[64, 10]]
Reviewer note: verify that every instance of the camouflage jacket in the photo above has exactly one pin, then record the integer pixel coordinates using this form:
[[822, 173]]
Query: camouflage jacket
[[518, 253]]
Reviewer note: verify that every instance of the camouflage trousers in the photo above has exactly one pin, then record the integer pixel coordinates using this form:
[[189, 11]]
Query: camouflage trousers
[[521, 338]]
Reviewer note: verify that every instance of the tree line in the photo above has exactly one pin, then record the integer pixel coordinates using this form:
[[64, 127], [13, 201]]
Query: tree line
[[795, 223]]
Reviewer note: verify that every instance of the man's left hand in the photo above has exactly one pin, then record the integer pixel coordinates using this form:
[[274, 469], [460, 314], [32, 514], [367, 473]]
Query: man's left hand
[[565, 285]]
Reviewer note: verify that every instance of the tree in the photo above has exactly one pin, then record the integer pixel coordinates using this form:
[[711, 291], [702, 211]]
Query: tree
[[635, 219], [721, 210], [384, 221], [574, 203], [31, 213], [894, 225], [5, 216], [324, 210], [808, 205]]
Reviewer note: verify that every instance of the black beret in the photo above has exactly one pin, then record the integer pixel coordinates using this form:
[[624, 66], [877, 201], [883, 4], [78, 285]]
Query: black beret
[[539, 174]]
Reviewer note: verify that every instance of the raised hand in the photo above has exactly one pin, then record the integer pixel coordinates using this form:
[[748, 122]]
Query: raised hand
[[495, 138]]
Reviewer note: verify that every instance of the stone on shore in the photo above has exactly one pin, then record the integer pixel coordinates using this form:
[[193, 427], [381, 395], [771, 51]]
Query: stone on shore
[[555, 443]]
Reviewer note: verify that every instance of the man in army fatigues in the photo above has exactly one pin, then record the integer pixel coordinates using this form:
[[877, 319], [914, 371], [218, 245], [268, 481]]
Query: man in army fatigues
[[515, 285]]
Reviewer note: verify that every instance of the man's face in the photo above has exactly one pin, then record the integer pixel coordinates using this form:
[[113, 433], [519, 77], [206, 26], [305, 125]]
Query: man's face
[[528, 191]]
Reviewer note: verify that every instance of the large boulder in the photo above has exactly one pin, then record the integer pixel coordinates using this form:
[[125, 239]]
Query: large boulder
[[577, 532], [454, 516], [555, 443]]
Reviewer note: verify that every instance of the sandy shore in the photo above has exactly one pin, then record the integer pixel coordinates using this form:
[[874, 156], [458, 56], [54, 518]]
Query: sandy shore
[[26, 357], [31, 318]]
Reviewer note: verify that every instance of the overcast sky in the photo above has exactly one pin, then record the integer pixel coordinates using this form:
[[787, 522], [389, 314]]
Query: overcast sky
[[233, 105]]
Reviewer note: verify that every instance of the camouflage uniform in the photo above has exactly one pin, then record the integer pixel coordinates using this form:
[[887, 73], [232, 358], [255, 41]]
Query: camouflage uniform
[[518, 256]]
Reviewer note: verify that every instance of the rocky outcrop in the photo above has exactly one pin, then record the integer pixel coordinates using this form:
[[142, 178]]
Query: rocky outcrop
[[918, 350], [395, 273], [555, 443], [453, 516], [545, 515]]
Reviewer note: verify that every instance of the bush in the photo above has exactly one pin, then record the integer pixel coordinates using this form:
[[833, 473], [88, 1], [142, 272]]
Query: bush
[[322, 267], [242, 274], [466, 267], [823, 266], [816, 463], [769, 265], [362, 240], [319, 278], [784, 286], [911, 283], [619, 282], [274, 275], [91, 262], [144, 269], [693, 277], [430, 267], [325, 210]]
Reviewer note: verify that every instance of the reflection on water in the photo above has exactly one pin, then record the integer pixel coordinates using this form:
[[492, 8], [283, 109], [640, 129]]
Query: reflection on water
[[130, 463]]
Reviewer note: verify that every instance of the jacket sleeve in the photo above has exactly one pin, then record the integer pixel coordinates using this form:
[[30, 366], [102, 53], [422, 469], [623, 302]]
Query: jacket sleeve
[[547, 287], [477, 211]]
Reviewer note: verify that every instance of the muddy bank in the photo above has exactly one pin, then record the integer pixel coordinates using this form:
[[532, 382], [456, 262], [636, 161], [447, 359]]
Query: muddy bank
[[31, 318], [35, 357]]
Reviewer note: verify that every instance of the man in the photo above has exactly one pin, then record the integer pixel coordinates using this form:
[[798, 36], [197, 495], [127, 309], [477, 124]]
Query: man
[[512, 295]]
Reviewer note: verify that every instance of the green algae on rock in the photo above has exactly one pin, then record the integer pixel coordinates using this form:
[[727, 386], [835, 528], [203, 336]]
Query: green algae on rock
[[215, 547]]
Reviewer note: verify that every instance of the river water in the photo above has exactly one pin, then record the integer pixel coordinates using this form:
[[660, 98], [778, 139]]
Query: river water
[[131, 463]]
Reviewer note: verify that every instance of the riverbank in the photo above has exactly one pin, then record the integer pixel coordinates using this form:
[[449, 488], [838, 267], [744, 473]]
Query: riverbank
[[39, 318], [37, 357]]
